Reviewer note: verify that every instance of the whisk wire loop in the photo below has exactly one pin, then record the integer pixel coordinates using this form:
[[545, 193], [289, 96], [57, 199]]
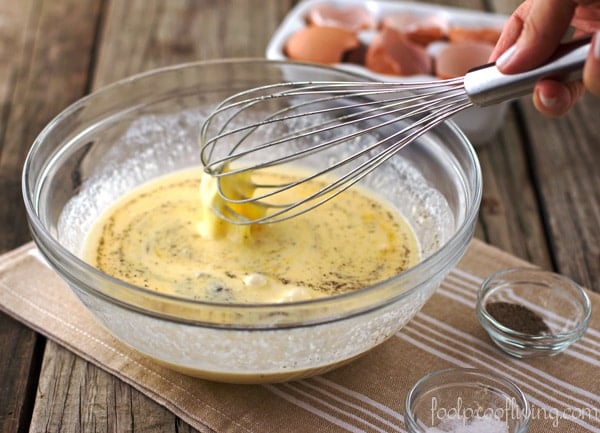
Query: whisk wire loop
[[339, 90], [336, 187], [328, 114], [418, 104]]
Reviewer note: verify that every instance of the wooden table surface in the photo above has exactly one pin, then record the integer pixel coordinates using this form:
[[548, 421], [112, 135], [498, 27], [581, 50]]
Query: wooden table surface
[[541, 177]]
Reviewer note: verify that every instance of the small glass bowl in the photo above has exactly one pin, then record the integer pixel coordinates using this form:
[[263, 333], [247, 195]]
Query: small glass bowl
[[473, 399], [539, 295]]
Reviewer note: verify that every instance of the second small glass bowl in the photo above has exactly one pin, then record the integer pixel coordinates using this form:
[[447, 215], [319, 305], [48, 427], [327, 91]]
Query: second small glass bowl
[[466, 399], [543, 313]]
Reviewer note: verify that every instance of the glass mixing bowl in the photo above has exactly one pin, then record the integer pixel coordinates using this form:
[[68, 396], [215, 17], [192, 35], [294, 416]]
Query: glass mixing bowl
[[148, 125]]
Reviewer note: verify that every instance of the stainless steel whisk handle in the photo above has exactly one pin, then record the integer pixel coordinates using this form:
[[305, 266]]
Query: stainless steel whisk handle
[[486, 85]]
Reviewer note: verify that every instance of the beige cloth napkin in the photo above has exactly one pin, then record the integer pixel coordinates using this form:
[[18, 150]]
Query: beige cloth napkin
[[364, 396]]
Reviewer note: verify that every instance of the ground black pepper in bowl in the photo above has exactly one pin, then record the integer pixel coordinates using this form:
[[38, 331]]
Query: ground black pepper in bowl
[[530, 312], [517, 317]]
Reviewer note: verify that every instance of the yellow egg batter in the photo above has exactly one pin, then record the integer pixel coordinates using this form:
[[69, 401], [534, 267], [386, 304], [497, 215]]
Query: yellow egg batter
[[163, 236]]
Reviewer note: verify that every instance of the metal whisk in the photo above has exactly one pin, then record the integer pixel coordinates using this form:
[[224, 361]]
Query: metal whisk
[[365, 123]]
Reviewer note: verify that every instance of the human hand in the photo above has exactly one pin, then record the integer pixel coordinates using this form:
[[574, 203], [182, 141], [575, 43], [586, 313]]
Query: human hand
[[531, 35]]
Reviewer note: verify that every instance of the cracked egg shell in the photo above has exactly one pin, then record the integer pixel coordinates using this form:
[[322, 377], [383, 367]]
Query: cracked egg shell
[[391, 52], [421, 29], [352, 18], [462, 34], [326, 45], [456, 59]]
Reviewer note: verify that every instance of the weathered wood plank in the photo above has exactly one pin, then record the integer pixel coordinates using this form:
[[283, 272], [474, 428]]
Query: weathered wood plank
[[44, 67], [50, 74], [15, 399], [510, 213], [19, 364], [15, 48], [44, 56], [138, 35], [74, 396], [144, 34], [566, 157]]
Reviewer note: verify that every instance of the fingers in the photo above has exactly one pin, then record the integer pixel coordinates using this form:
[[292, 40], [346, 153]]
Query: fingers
[[554, 99], [511, 31], [591, 70], [531, 36], [587, 16], [543, 25]]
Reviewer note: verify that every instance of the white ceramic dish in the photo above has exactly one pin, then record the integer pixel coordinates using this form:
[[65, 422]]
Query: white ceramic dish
[[479, 124]]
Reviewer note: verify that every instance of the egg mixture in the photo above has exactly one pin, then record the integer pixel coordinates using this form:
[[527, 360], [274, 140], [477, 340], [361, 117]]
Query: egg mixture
[[164, 236]]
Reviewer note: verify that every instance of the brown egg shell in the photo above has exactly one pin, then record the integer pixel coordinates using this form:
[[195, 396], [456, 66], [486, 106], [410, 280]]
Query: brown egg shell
[[421, 29], [456, 59], [480, 34], [326, 45], [391, 52]]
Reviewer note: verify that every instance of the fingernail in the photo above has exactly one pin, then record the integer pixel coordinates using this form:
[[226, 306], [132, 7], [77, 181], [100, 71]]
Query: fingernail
[[556, 104], [597, 46], [551, 104], [504, 59]]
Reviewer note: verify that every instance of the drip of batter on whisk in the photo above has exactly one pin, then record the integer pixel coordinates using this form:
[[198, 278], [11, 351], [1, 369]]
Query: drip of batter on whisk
[[237, 187]]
